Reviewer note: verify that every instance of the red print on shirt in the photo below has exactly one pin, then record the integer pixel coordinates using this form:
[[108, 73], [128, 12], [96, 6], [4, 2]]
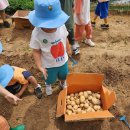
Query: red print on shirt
[[57, 50]]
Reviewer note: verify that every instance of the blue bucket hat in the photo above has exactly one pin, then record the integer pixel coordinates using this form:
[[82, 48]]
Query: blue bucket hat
[[47, 14], [1, 48], [6, 74]]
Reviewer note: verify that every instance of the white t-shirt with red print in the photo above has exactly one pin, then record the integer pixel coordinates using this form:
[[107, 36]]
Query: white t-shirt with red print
[[52, 45]]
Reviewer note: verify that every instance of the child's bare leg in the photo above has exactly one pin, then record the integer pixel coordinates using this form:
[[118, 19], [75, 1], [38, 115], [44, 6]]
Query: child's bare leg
[[37, 86], [2, 13], [63, 84], [33, 81], [93, 22], [5, 23], [105, 20], [20, 93], [95, 18]]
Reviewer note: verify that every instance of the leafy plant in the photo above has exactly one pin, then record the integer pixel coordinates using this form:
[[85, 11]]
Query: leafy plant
[[19, 5]]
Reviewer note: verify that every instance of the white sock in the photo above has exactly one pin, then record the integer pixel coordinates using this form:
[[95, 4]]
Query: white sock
[[38, 86]]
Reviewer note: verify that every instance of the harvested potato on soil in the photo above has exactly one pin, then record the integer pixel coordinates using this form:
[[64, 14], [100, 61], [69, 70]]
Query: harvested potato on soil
[[83, 102]]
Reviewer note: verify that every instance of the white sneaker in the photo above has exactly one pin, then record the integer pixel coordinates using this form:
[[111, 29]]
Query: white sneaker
[[63, 85], [89, 42], [77, 44], [76, 51], [48, 90]]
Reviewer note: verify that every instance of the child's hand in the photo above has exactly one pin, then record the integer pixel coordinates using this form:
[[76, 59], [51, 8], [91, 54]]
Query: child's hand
[[44, 71], [69, 52], [68, 48], [12, 99], [81, 21]]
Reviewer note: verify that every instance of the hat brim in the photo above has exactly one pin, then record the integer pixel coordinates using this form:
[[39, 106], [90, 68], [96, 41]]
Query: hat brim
[[9, 72], [1, 48], [47, 22]]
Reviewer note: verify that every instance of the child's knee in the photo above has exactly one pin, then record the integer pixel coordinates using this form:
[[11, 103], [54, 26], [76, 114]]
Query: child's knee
[[30, 78]]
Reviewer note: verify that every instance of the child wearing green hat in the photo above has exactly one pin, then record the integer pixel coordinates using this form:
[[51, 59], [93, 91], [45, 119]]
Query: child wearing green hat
[[49, 41]]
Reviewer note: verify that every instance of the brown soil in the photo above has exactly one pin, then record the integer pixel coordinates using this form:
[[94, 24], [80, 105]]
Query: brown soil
[[110, 56]]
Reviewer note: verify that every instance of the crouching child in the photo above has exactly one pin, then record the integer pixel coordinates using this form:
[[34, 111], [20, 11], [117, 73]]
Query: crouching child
[[16, 80]]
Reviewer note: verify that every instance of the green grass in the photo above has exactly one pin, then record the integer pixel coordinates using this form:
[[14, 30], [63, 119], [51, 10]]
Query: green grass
[[29, 5], [19, 5]]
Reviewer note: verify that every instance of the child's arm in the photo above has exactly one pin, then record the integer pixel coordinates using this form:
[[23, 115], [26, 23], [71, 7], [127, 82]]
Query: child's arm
[[20, 93], [9, 96], [68, 48], [37, 58]]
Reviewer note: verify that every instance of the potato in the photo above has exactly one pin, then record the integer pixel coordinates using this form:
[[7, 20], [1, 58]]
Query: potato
[[69, 107], [80, 93], [97, 96], [78, 110], [75, 98], [90, 104], [75, 107], [73, 113], [83, 111], [71, 95], [68, 97], [92, 110], [68, 112], [77, 101], [96, 101], [81, 105], [96, 107], [82, 99], [89, 109], [73, 110], [90, 97], [86, 105], [86, 101], [72, 103], [72, 98], [76, 94], [85, 94], [89, 92], [93, 95], [82, 102], [68, 102]]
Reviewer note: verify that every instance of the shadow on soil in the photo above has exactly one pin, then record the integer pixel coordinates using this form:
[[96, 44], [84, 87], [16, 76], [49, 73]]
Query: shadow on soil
[[85, 125], [39, 114], [6, 108]]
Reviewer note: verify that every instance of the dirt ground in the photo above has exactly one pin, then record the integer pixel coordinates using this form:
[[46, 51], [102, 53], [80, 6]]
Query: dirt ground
[[110, 56]]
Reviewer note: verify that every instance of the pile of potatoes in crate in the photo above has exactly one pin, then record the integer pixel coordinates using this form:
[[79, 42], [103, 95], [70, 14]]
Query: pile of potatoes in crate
[[83, 102]]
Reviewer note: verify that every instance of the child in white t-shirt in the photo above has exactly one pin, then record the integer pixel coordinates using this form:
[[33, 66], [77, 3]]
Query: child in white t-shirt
[[82, 21], [49, 41]]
